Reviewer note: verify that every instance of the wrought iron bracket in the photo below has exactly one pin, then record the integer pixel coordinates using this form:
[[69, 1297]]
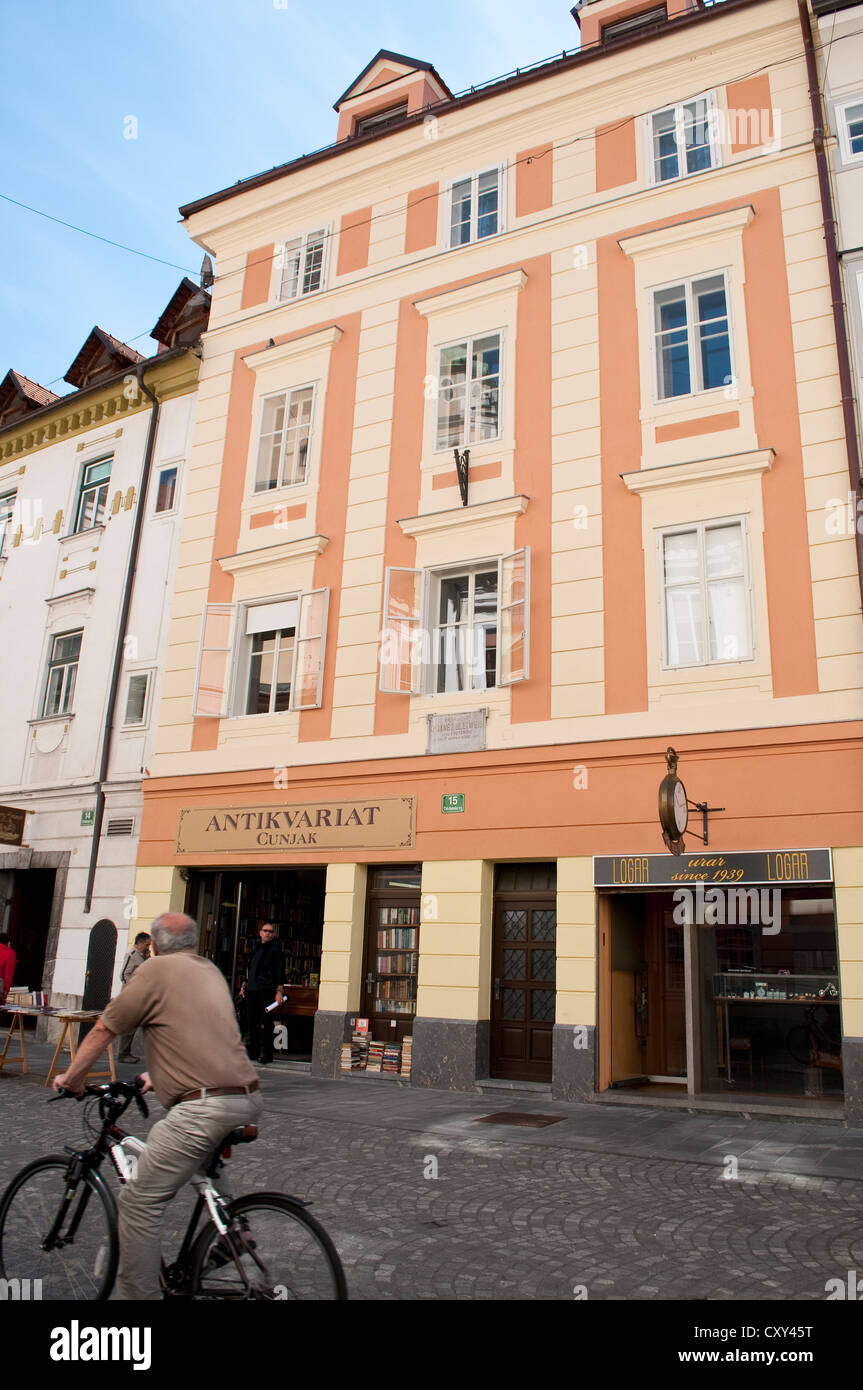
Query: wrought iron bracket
[[705, 810], [462, 465]]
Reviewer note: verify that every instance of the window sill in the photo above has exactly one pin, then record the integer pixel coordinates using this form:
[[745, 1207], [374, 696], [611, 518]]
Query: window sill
[[47, 719], [84, 537], [696, 403]]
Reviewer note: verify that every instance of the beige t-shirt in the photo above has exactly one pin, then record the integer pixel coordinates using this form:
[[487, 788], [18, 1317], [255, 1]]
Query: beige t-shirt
[[191, 1036]]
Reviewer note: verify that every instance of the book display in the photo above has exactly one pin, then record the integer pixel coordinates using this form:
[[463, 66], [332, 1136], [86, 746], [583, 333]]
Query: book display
[[363, 1053]]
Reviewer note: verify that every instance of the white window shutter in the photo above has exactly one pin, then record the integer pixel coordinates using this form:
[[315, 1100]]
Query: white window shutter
[[309, 650], [402, 659], [288, 259], [514, 640], [214, 661]]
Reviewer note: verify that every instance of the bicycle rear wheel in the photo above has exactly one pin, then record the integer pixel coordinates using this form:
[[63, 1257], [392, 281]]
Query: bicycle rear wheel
[[274, 1251], [83, 1263]]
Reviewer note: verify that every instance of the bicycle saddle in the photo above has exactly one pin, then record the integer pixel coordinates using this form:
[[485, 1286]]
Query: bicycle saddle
[[244, 1135]]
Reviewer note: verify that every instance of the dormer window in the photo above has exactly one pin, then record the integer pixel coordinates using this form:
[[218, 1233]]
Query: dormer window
[[379, 119], [634, 24]]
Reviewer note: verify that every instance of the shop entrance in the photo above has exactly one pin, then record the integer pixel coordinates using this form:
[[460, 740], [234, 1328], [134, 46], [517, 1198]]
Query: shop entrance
[[648, 995], [392, 952], [523, 972], [230, 906], [737, 994], [26, 916]]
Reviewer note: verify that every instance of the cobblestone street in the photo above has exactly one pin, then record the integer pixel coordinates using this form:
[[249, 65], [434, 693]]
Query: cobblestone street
[[605, 1203]]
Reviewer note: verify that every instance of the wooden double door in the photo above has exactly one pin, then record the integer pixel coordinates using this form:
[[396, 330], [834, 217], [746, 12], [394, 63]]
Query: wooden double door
[[523, 986]]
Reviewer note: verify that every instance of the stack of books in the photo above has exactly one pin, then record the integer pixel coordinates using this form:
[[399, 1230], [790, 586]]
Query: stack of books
[[355, 1053], [407, 1048], [392, 1053], [376, 1056]]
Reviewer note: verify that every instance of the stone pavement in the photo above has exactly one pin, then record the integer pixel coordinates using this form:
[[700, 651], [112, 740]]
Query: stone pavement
[[425, 1200]]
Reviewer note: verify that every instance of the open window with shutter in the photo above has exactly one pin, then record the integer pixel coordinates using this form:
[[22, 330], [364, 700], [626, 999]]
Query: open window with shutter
[[267, 661], [514, 639], [309, 650], [214, 661], [401, 658]]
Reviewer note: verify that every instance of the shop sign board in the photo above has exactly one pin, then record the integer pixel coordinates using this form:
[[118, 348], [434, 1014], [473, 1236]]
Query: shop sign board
[[463, 731], [11, 825], [374, 822], [774, 866]]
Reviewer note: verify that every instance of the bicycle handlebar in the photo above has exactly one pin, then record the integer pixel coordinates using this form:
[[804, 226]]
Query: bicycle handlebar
[[131, 1090]]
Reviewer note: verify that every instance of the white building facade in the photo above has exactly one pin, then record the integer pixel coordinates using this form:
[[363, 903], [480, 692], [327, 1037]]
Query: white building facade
[[91, 489]]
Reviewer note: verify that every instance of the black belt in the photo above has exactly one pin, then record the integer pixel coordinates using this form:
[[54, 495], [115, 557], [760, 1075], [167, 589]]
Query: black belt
[[207, 1091]]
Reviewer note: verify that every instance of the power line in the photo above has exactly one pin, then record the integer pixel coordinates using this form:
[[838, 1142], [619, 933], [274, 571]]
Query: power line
[[95, 235]]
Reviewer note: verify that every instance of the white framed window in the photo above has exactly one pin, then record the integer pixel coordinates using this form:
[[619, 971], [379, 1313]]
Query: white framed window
[[849, 124], [301, 264], [285, 439], [706, 594], [469, 392], [137, 699], [475, 207], [7, 512], [379, 119], [463, 628], [692, 336], [634, 24], [683, 139], [262, 658], [62, 673], [166, 488], [93, 494]]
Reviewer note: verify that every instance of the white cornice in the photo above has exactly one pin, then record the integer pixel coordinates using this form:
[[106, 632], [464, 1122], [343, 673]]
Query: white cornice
[[691, 229], [76, 594], [477, 515], [701, 471], [268, 555], [295, 347], [477, 292]]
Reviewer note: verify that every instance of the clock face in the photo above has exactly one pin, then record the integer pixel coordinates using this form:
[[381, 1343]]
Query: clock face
[[681, 812]]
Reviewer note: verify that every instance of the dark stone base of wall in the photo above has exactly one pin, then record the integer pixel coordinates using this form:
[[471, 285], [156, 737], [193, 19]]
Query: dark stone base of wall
[[852, 1072], [331, 1030], [449, 1053], [573, 1062]]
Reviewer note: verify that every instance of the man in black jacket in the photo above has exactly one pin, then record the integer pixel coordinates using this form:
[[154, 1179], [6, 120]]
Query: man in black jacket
[[263, 987]]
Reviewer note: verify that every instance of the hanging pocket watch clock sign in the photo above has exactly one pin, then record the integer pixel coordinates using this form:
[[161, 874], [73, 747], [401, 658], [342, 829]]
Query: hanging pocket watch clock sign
[[673, 808]]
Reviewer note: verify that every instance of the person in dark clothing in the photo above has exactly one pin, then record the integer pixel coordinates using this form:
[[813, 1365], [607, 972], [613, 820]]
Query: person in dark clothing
[[263, 987]]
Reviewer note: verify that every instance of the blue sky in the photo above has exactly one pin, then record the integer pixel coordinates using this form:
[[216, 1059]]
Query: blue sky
[[221, 89]]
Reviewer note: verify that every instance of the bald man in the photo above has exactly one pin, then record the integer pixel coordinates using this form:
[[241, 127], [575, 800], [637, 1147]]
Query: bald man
[[197, 1066]]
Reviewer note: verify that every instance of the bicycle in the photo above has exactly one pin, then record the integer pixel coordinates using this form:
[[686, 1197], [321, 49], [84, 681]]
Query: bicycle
[[58, 1224]]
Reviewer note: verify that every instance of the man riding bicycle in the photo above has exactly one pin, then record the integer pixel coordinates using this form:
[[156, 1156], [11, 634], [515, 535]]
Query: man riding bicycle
[[197, 1066]]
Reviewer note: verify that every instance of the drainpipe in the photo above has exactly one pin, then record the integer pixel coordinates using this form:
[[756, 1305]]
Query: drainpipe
[[846, 378], [119, 649]]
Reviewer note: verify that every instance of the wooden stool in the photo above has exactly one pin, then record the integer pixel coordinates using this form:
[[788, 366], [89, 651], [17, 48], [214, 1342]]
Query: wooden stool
[[16, 1024], [71, 1027], [744, 1046]]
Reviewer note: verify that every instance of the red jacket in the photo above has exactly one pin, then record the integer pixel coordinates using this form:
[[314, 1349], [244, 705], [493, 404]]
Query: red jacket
[[8, 961]]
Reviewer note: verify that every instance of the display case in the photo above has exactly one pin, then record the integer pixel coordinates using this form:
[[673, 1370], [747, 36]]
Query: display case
[[782, 988]]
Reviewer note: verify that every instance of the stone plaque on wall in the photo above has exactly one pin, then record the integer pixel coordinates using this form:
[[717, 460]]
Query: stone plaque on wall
[[11, 825], [373, 822], [463, 731]]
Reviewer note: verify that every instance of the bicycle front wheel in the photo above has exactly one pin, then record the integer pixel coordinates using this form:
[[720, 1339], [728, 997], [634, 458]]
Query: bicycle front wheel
[[273, 1251], [35, 1206]]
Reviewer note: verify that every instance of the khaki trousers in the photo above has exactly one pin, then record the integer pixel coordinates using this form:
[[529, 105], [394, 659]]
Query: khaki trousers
[[177, 1147]]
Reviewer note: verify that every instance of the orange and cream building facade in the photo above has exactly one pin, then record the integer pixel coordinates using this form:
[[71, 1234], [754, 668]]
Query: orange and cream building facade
[[518, 423]]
